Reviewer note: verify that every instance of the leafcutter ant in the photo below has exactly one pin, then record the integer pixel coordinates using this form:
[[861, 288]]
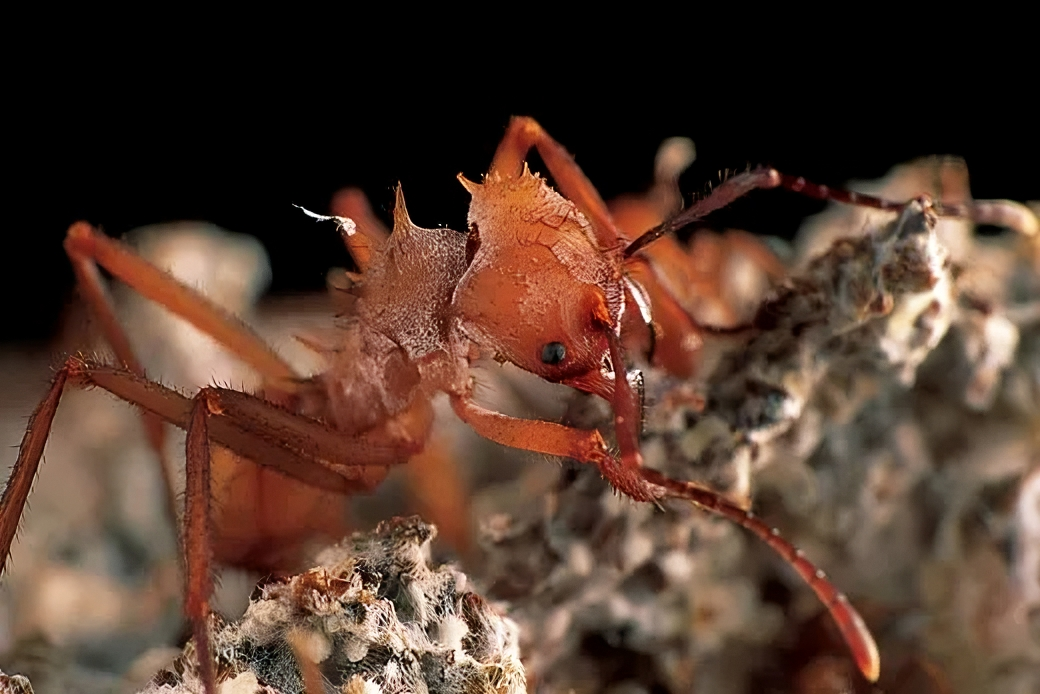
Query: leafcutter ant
[[544, 280]]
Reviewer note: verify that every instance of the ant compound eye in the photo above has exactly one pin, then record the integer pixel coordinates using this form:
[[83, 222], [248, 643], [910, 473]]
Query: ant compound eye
[[553, 353]]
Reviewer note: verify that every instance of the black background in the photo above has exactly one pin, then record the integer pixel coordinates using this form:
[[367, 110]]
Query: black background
[[239, 144]]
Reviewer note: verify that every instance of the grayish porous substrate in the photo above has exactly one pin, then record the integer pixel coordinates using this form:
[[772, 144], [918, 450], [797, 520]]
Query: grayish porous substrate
[[375, 617], [14, 684]]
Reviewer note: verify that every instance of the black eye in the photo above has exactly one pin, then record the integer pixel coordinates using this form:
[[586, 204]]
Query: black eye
[[553, 353]]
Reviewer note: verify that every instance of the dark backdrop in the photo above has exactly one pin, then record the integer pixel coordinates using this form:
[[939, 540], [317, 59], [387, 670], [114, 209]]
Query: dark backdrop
[[174, 147]]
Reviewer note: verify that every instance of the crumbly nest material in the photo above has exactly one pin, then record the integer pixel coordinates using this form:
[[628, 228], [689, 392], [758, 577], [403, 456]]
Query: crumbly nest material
[[373, 617]]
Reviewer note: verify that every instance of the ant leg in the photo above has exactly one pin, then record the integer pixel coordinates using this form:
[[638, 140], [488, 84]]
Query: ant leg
[[437, 487], [352, 203], [1006, 213], [634, 214], [627, 406], [197, 536], [584, 445], [291, 444], [239, 413], [714, 253], [742, 184], [295, 445], [99, 302], [756, 251], [88, 248], [1000, 212], [12, 503], [524, 133]]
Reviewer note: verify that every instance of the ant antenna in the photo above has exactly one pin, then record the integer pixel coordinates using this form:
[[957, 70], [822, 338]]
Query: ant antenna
[[1006, 213], [852, 627]]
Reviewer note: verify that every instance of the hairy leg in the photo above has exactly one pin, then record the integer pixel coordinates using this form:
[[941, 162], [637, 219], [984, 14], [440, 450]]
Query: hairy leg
[[291, 444], [197, 537], [12, 503]]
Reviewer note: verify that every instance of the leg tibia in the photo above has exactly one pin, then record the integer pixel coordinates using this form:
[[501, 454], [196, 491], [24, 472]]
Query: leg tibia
[[197, 538], [292, 444], [12, 503]]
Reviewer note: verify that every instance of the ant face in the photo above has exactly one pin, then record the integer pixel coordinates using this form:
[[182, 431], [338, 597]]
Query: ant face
[[537, 291], [527, 310]]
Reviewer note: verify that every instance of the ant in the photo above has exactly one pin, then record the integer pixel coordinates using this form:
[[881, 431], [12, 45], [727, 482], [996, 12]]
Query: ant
[[547, 281]]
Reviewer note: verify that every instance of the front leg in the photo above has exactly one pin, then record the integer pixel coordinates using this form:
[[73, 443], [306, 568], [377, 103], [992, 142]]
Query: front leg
[[583, 445]]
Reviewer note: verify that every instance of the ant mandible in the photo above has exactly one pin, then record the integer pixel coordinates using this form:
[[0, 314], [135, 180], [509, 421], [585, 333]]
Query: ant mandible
[[543, 280]]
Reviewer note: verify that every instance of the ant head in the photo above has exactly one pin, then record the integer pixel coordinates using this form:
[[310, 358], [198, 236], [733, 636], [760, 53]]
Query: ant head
[[537, 291]]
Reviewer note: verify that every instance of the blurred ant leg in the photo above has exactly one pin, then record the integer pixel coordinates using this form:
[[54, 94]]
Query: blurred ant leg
[[87, 246], [634, 214], [721, 249], [757, 252], [524, 133], [266, 520], [310, 673], [583, 445], [853, 629], [1006, 213], [99, 302], [372, 233], [435, 482]]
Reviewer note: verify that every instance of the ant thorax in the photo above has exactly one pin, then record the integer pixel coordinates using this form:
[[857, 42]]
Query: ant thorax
[[407, 291], [395, 351]]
